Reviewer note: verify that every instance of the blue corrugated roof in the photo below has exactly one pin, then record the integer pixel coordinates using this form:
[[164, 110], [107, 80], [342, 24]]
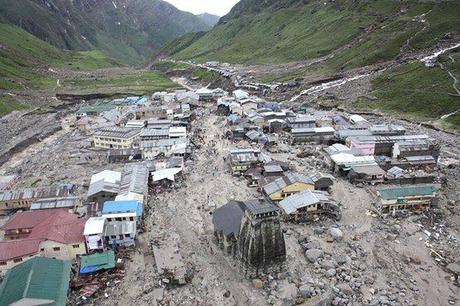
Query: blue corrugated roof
[[116, 207]]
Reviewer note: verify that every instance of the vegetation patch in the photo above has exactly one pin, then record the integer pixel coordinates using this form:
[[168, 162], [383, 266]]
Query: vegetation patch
[[416, 91], [9, 104], [26, 61], [138, 83]]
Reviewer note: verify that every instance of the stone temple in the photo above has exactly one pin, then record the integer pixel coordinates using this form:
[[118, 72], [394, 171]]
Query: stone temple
[[251, 232]]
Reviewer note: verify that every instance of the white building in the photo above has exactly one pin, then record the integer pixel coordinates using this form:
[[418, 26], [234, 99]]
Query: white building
[[94, 233]]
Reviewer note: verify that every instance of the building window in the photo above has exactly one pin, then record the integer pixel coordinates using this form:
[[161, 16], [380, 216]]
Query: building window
[[127, 235], [76, 246], [113, 237], [56, 249], [2, 263], [16, 260], [131, 218]]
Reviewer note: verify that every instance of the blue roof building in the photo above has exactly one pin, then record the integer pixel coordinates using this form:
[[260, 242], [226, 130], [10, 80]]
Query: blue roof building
[[120, 207]]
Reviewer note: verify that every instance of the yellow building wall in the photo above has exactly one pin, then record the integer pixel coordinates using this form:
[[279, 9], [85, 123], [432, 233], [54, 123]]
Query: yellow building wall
[[291, 189], [81, 250], [65, 252], [10, 263]]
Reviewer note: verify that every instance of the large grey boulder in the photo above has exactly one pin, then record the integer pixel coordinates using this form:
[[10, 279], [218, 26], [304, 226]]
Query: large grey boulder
[[336, 234], [314, 254]]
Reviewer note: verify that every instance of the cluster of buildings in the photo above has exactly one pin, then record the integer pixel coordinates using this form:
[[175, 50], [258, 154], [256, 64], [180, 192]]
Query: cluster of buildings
[[354, 148], [54, 227]]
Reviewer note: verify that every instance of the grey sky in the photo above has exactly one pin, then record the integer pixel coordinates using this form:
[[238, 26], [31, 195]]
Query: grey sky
[[216, 7]]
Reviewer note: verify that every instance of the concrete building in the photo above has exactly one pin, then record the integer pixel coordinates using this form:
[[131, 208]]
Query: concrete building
[[104, 186], [115, 138], [242, 159], [301, 122], [406, 198], [94, 234], [168, 147], [317, 134], [366, 174], [154, 134]]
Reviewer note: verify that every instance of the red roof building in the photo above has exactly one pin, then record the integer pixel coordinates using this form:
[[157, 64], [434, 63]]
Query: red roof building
[[16, 249], [53, 233], [22, 223]]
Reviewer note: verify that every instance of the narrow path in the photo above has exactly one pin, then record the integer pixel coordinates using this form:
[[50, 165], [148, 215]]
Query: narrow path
[[454, 86]]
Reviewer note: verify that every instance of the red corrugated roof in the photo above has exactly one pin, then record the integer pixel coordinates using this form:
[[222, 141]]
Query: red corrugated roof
[[63, 227], [29, 219], [11, 249]]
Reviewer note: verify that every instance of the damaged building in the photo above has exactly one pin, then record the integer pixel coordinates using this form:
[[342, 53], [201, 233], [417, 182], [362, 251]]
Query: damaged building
[[305, 205], [251, 232], [406, 198]]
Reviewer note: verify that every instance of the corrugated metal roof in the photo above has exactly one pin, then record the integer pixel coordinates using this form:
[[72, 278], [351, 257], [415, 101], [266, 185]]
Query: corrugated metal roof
[[97, 262], [155, 132], [401, 192], [297, 201], [38, 278], [134, 179], [68, 202], [117, 132], [286, 180], [10, 249], [115, 207]]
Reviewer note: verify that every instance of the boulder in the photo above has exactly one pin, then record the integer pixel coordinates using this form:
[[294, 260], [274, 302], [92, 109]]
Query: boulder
[[257, 283], [345, 289], [314, 254], [331, 272], [306, 291], [336, 234], [342, 259]]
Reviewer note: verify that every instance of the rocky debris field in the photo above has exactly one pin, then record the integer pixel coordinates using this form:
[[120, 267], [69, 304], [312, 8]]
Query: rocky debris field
[[360, 260]]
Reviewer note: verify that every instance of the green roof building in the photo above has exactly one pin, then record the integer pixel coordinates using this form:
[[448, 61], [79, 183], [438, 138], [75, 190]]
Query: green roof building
[[38, 281], [410, 197], [97, 262]]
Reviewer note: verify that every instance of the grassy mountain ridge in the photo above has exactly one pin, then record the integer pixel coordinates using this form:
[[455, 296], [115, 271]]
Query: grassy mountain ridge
[[24, 59], [341, 36], [267, 32], [129, 30]]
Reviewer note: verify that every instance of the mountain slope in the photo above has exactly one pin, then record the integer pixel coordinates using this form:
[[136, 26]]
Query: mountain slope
[[269, 31], [25, 59], [209, 19], [129, 30]]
